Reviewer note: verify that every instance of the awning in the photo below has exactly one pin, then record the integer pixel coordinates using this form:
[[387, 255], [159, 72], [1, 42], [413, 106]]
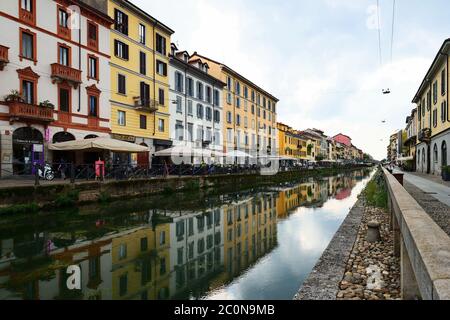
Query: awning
[[183, 151], [238, 154], [98, 144], [411, 158]]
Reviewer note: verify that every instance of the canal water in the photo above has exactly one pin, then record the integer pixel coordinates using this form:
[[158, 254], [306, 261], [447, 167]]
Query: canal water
[[258, 244]]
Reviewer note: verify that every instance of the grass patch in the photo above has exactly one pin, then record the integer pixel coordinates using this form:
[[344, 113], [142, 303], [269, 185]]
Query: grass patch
[[67, 199], [19, 209], [376, 192], [104, 197]]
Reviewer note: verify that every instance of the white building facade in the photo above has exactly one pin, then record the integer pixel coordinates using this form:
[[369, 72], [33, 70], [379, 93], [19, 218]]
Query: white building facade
[[196, 111], [54, 79]]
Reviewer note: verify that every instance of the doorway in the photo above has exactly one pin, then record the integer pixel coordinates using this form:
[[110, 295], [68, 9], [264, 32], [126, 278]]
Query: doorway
[[28, 149]]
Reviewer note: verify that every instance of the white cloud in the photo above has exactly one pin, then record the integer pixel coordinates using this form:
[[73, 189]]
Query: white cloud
[[317, 57]]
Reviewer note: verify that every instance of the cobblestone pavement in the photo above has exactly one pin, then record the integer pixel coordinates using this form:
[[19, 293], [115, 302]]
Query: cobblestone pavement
[[437, 210], [372, 271]]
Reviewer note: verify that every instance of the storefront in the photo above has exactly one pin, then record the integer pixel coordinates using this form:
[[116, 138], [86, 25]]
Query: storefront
[[28, 149]]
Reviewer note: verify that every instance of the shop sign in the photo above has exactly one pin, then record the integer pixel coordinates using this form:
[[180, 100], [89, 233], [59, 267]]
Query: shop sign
[[124, 137]]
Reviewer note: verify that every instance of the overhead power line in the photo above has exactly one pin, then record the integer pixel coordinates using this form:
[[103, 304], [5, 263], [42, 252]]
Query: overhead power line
[[393, 28], [379, 32]]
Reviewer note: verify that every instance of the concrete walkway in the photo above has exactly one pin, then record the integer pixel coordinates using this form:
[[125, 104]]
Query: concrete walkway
[[437, 190]]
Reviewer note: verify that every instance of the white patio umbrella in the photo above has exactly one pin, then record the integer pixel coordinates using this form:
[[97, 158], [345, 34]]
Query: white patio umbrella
[[238, 154]]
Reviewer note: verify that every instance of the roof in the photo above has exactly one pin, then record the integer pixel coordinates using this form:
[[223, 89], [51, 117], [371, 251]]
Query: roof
[[146, 15], [231, 71], [190, 66], [445, 48]]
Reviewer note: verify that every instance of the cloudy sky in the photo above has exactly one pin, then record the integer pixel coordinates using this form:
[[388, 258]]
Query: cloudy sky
[[319, 57]]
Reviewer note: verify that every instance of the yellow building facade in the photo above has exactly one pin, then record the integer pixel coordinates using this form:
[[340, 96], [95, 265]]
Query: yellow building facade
[[140, 47], [250, 113], [433, 119]]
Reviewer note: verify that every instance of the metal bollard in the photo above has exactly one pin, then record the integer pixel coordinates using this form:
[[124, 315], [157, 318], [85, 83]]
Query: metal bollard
[[36, 175], [373, 232]]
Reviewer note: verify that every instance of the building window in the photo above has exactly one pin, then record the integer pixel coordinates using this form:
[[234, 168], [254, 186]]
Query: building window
[[121, 118], [161, 96], [217, 116], [444, 111], [179, 130], [208, 94], [28, 89], [199, 111], [237, 88], [161, 68], [93, 67], [443, 82], [179, 81], [160, 44], [141, 33], [216, 97], [435, 151], [229, 98], [142, 63], [93, 106], [92, 35], [143, 122], [64, 99], [199, 90], [190, 87], [229, 117], [121, 50], [238, 120], [161, 127], [238, 102], [64, 55], [63, 18], [28, 45], [190, 108], [120, 22], [190, 132], [121, 84], [435, 118], [179, 102], [145, 93], [208, 114], [444, 153], [435, 92]]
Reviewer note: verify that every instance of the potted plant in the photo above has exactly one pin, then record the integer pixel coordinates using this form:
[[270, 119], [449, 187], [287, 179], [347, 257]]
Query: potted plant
[[446, 173], [14, 96], [47, 104]]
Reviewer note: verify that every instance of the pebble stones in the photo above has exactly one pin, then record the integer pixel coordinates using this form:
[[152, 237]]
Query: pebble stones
[[372, 270]]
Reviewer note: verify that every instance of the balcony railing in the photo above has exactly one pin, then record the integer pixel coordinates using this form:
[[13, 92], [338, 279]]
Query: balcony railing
[[424, 135], [64, 73], [3, 57], [20, 110], [146, 105]]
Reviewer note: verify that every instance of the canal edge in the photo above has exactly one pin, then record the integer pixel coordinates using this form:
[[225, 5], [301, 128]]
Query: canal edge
[[323, 281]]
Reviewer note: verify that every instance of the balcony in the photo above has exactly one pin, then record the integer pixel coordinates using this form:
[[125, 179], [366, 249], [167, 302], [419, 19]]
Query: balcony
[[24, 111], [62, 73], [3, 57], [146, 105], [425, 135]]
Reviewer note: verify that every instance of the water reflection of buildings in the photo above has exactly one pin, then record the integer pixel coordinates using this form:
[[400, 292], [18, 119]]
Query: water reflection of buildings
[[315, 192], [165, 255]]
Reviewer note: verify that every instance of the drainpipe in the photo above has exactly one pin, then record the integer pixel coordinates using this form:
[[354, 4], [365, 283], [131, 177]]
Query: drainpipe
[[79, 62], [185, 106], [154, 75]]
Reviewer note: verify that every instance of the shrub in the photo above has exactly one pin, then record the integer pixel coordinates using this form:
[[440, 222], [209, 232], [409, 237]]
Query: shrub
[[67, 199]]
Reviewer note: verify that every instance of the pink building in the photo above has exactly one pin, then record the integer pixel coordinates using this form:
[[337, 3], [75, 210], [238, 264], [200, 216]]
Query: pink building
[[343, 139]]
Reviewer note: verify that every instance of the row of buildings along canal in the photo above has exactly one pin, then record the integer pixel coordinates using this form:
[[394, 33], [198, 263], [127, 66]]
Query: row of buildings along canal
[[75, 70], [423, 145]]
